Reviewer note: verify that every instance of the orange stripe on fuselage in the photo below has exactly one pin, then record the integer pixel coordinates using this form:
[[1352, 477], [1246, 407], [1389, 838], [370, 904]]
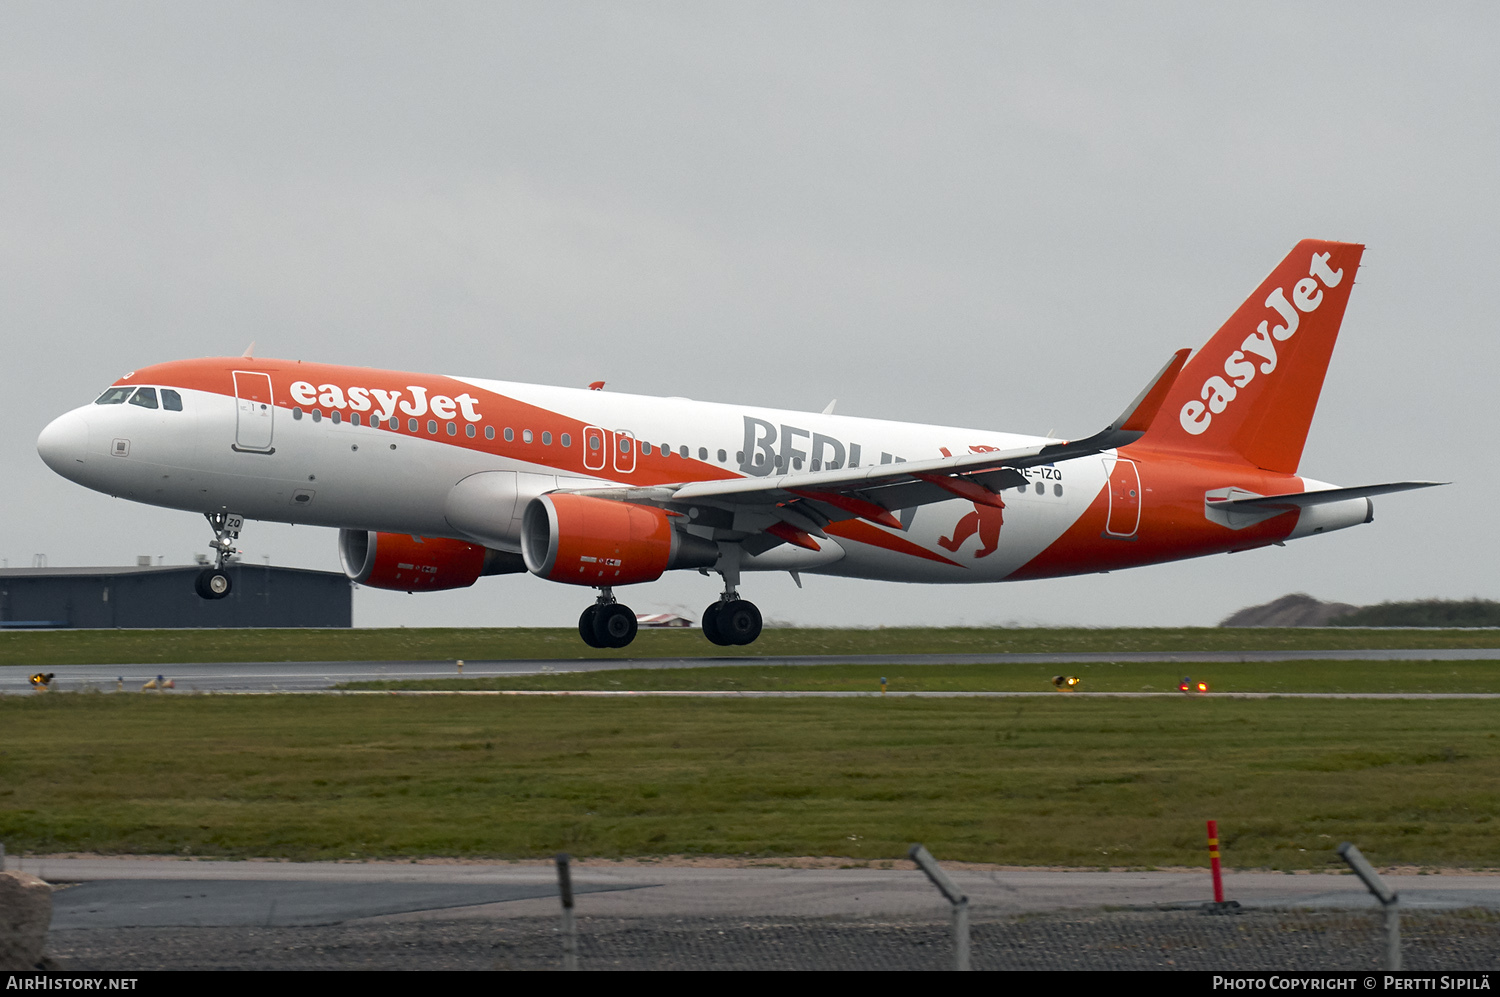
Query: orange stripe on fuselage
[[216, 375], [1172, 524], [861, 532]]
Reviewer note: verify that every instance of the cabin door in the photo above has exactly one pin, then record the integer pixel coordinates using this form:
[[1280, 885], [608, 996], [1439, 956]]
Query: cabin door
[[1124, 499], [256, 411]]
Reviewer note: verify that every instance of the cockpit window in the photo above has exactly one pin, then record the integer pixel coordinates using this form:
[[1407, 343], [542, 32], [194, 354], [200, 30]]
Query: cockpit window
[[144, 397], [171, 400], [115, 396]]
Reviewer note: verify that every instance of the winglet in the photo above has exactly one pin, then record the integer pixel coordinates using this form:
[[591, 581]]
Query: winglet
[[1138, 414], [1132, 423]]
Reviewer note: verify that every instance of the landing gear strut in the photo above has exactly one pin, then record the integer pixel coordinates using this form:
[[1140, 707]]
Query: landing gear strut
[[731, 620], [607, 623], [215, 583]]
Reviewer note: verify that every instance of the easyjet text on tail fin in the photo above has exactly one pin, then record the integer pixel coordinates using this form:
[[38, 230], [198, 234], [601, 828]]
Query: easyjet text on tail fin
[[1249, 394]]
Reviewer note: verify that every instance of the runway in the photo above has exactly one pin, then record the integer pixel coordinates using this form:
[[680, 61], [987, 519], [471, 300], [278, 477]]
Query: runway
[[304, 676], [153, 892]]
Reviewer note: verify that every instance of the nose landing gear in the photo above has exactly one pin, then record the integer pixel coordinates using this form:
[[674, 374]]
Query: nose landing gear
[[215, 583], [607, 623]]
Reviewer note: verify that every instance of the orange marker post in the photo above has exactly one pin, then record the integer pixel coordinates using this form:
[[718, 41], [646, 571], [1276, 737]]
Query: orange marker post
[[1213, 860]]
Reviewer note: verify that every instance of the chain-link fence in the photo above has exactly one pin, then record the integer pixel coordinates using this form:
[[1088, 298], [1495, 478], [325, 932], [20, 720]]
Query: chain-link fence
[[1155, 938]]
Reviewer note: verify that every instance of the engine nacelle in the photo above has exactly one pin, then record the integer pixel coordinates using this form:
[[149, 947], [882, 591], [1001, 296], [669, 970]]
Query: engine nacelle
[[583, 540], [419, 564]]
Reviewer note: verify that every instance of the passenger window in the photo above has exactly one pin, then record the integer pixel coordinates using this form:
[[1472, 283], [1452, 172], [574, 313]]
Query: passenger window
[[171, 400], [525, 436], [470, 430], [411, 425], [683, 451], [489, 432], [114, 396], [144, 397], [815, 464], [723, 456], [452, 429], [567, 440], [703, 453], [354, 418], [317, 415], [510, 434], [624, 444], [432, 427], [297, 412], [1040, 488], [337, 417], [645, 448], [546, 439]]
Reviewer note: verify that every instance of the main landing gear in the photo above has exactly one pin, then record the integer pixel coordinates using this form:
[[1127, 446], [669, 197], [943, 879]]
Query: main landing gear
[[731, 620], [607, 623], [215, 583]]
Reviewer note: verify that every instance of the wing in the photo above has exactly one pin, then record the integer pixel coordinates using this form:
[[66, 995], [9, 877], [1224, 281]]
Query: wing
[[794, 507]]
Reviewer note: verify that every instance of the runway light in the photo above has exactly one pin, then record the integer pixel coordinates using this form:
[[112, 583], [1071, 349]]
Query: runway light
[[42, 680], [1202, 686], [1186, 685], [1066, 681]]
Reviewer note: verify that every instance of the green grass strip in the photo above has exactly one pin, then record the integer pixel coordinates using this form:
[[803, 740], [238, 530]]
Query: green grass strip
[[1270, 676], [64, 647], [1053, 781]]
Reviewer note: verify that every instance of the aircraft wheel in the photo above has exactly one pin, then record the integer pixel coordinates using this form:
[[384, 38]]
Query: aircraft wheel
[[739, 622], [614, 626], [586, 626], [213, 583], [711, 625]]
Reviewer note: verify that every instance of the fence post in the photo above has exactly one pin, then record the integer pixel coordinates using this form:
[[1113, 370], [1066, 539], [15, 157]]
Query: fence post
[[569, 924], [956, 897], [1389, 901]]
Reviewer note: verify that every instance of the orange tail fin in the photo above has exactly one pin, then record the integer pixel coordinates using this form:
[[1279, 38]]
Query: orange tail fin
[[1249, 394]]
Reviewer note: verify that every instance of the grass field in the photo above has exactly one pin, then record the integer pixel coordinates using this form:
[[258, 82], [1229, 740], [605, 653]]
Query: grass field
[[1058, 780], [65, 647], [1269, 676]]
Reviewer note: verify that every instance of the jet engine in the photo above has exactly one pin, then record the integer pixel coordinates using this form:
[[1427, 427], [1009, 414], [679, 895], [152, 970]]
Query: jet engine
[[582, 540], [419, 564]]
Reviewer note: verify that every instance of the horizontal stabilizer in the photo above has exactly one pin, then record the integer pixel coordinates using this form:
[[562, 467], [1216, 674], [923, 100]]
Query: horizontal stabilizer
[[1301, 500]]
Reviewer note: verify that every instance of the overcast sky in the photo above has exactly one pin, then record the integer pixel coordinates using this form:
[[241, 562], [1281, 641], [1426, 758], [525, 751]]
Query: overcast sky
[[1003, 216]]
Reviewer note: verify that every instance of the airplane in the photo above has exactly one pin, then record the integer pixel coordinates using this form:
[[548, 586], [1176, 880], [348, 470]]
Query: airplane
[[434, 482]]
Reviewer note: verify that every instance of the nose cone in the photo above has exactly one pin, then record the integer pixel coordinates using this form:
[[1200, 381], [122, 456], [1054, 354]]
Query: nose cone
[[64, 444]]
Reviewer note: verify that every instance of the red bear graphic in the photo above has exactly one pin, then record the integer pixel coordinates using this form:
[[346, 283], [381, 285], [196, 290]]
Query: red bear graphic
[[986, 520]]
